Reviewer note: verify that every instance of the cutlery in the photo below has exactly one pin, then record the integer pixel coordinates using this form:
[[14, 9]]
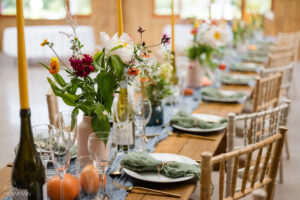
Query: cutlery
[[156, 192], [190, 135], [150, 135], [117, 172]]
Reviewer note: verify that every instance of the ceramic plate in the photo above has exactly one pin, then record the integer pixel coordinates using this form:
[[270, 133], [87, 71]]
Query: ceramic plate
[[154, 177], [204, 117], [225, 100]]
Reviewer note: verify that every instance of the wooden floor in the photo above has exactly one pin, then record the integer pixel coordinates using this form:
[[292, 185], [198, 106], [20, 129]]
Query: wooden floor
[[9, 122]]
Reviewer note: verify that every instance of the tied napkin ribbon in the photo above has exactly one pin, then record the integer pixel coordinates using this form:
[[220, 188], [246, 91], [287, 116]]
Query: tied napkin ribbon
[[162, 166]]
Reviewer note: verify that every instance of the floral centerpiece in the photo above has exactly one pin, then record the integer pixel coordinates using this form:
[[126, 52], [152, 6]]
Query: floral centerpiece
[[157, 92], [93, 80], [208, 39]]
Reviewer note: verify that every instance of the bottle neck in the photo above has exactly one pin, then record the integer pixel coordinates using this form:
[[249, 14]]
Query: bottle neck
[[26, 132]]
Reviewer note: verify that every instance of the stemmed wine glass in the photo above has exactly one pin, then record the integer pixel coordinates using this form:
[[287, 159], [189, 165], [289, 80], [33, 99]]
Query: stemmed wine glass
[[41, 138], [61, 143], [142, 113], [101, 154], [121, 113]]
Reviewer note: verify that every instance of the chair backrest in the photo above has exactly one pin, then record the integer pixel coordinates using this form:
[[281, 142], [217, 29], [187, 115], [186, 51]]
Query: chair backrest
[[287, 77], [255, 127], [266, 93], [52, 108], [269, 154], [289, 38], [280, 59]]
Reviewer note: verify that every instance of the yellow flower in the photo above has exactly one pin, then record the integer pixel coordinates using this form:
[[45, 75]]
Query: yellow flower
[[166, 71], [196, 24], [44, 42], [217, 35], [54, 66]]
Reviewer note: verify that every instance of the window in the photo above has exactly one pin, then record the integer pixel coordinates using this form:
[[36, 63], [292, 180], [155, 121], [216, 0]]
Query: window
[[163, 7], [219, 8], [46, 9]]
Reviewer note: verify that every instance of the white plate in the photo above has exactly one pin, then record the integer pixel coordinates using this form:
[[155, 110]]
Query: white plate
[[226, 100], [154, 177], [204, 117]]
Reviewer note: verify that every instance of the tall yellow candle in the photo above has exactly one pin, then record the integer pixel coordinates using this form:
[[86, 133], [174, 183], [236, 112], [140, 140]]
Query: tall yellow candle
[[120, 18], [22, 62], [173, 28]]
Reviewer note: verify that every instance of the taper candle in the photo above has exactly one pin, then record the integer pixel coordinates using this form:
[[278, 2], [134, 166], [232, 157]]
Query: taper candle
[[173, 27], [22, 62], [120, 18]]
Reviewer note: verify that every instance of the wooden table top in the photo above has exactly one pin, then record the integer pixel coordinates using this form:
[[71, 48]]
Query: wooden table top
[[187, 146]]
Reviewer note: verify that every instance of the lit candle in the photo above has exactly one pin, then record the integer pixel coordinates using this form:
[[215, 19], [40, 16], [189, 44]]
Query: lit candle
[[173, 28], [22, 62], [120, 18]]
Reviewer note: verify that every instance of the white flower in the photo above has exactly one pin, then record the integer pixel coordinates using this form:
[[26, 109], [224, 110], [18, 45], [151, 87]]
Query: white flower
[[126, 52], [217, 36], [269, 15], [166, 71]]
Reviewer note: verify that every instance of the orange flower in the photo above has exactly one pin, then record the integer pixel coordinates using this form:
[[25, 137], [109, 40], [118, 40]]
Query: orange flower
[[194, 31], [144, 79], [144, 55], [133, 71], [54, 66], [213, 22], [44, 42]]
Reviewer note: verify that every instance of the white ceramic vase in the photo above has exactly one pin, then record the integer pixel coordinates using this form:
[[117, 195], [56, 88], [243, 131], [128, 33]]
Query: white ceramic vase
[[194, 74]]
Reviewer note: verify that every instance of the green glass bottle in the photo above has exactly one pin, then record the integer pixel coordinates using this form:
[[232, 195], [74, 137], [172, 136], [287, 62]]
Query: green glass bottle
[[28, 175]]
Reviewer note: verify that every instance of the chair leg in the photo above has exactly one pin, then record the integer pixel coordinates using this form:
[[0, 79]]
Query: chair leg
[[281, 172], [287, 149]]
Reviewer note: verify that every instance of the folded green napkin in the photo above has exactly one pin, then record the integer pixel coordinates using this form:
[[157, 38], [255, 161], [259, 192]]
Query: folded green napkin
[[250, 58], [215, 93], [228, 78], [245, 67], [144, 162], [187, 120]]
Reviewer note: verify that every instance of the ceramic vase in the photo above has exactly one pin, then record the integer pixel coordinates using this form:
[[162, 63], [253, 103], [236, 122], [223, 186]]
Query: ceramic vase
[[194, 74], [157, 115], [84, 130]]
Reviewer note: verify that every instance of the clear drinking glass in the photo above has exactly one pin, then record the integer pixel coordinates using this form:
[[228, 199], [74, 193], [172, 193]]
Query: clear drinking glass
[[89, 177], [142, 113], [41, 139], [61, 143], [102, 156]]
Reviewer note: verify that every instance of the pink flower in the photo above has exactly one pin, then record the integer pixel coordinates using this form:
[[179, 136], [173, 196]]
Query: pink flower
[[82, 66]]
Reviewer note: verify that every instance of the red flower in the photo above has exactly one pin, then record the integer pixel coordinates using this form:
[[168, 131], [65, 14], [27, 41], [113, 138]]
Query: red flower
[[222, 66], [133, 71], [194, 31], [82, 66]]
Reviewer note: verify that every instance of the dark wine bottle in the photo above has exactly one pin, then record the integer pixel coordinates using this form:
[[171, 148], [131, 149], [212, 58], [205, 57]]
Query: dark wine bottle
[[28, 175]]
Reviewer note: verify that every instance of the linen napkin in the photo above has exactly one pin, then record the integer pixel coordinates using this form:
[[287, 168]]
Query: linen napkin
[[245, 67], [144, 162], [187, 120], [215, 93], [228, 78]]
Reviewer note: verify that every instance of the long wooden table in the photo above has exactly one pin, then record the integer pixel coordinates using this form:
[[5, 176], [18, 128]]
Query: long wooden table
[[193, 148], [187, 146]]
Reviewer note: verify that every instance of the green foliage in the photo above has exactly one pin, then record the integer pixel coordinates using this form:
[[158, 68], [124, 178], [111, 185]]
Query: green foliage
[[155, 93]]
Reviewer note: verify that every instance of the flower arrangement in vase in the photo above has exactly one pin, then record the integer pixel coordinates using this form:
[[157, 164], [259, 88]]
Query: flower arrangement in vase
[[208, 39], [157, 92], [93, 80]]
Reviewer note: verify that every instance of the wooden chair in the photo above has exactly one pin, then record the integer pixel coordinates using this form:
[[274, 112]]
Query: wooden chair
[[269, 153], [266, 93], [52, 108], [255, 127], [285, 39], [259, 194], [286, 81], [280, 59]]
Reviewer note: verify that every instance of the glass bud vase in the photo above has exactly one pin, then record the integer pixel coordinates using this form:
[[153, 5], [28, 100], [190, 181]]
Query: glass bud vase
[[123, 137], [157, 116]]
